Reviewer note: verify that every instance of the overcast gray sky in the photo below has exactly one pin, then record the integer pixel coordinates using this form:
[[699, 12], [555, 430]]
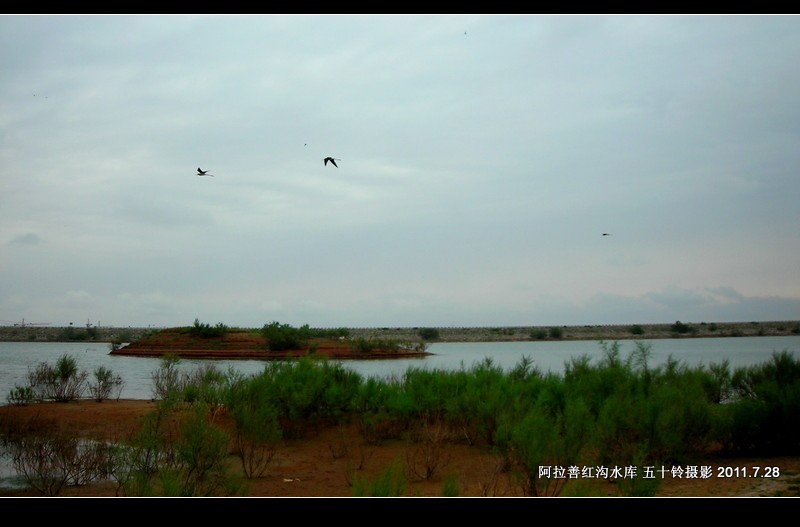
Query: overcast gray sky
[[480, 160]]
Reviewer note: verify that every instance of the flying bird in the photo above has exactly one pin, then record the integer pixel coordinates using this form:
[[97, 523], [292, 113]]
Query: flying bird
[[332, 160], [606, 234], [203, 172]]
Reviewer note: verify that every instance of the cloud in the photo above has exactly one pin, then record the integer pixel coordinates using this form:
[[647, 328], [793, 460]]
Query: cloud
[[27, 239]]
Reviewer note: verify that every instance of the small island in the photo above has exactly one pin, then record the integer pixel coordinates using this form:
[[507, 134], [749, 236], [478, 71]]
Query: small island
[[272, 342]]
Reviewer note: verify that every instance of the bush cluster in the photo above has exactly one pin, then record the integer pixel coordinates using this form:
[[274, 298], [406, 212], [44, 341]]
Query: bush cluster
[[281, 337], [64, 382], [681, 328], [207, 331], [428, 333]]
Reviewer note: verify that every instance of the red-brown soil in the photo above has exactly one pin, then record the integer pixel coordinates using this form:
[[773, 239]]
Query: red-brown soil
[[245, 344], [323, 464]]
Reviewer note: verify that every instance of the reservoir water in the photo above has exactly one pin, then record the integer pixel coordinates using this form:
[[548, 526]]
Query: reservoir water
[[18, 358]]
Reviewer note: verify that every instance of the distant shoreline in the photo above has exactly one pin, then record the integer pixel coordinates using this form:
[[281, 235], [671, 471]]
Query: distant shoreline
[[452, 334]]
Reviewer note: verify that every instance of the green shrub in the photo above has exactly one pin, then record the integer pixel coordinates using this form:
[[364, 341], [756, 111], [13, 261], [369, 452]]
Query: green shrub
[[281, 337], [21, 396], [428, 333], [450, 487], [71, 333], [530, 441], [105, 382], [204, 384], [140, 460], [206, 331], [177, 454], [307, 392], [168, 383], [766, 409], [538, 334], [391, 482], [201, 457], [52, 461], [362, 345], [62, 382], [257, 428], [636, 329], [680, 327]]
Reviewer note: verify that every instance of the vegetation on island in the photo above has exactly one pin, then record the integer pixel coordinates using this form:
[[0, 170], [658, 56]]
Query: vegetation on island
[[274, 340]]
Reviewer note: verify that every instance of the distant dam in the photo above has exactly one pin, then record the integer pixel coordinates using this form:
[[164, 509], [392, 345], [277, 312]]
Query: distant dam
[[24, 333]]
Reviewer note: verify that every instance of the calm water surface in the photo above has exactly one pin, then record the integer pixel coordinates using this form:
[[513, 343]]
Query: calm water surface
[[17, 358]]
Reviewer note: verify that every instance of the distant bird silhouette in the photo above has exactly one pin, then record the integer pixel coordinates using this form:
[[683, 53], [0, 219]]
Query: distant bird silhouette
[[606, 234], [332, 160], [203, 172]]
